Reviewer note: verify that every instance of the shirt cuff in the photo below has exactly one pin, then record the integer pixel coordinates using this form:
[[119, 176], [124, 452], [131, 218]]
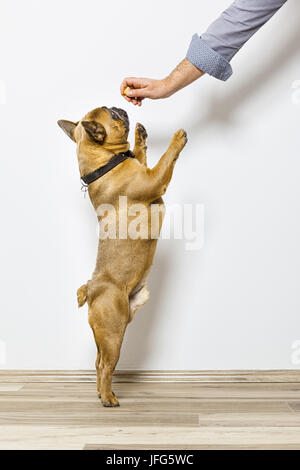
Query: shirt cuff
[[206, 59]]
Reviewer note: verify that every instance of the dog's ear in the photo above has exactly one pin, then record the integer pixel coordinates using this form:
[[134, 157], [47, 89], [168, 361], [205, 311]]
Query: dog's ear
[[95, 131], [68, 127]]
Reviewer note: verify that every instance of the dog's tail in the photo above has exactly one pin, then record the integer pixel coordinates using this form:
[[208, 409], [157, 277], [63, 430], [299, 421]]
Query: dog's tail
[[82, 295]]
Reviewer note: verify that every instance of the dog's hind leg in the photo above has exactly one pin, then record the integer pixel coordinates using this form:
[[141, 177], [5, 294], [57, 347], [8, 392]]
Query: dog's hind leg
[[108, 317], [140, 146], [137, 300], [97, 364]]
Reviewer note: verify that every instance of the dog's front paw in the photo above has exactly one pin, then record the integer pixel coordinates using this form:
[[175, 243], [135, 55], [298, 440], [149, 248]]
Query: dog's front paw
[[110, 400], [180, 138], [141, 131]]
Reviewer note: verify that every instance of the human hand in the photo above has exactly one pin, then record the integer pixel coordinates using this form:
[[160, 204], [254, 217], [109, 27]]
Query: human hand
[[135, 90]]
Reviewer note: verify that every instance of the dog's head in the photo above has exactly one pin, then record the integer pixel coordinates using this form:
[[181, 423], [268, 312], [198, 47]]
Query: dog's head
[[107, 127]]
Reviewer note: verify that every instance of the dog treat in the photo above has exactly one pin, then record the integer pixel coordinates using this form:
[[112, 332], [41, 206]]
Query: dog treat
[[126, 91]]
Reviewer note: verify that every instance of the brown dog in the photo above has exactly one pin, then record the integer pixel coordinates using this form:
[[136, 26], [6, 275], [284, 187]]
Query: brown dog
[[118, 285]]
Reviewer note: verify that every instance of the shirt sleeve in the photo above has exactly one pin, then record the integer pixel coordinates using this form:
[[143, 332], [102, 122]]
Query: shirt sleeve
[[213, 51]]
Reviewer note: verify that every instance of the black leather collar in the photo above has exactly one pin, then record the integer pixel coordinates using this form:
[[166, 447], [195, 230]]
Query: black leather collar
[[114, 161]]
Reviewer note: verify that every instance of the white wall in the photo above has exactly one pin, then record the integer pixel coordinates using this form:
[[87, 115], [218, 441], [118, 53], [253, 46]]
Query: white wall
[[235, 303]]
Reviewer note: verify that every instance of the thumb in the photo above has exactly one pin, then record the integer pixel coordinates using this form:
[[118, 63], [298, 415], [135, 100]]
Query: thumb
[[137, 93]]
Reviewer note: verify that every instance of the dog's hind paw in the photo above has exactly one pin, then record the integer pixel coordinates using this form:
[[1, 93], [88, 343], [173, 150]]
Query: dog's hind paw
[[110, 401]]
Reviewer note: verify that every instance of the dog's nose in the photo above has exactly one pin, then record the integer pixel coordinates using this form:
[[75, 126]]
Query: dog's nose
[[120, 112]]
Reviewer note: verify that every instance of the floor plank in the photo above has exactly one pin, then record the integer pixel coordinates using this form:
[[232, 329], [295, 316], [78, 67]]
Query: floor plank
[[194, 447], [157, 376], [137, 437], [276, 391], [295, 406], [57, 415], [10, 388]]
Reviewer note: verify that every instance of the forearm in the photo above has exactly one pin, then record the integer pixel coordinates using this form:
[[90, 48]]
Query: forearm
[[213, 51], [184, 74]]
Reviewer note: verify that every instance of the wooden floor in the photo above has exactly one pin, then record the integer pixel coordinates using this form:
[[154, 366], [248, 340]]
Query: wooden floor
[[68, 415]]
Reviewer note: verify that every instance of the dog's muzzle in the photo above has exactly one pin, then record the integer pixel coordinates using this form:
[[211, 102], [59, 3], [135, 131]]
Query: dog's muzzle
[[120, 115]]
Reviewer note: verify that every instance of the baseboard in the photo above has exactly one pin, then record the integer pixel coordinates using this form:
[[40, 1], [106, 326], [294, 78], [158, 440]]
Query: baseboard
[[196, 376]]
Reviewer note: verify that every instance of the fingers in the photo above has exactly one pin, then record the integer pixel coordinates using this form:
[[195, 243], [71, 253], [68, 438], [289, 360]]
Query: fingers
[[138, 93], [137, 101], [137, 89], [133, 82]]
